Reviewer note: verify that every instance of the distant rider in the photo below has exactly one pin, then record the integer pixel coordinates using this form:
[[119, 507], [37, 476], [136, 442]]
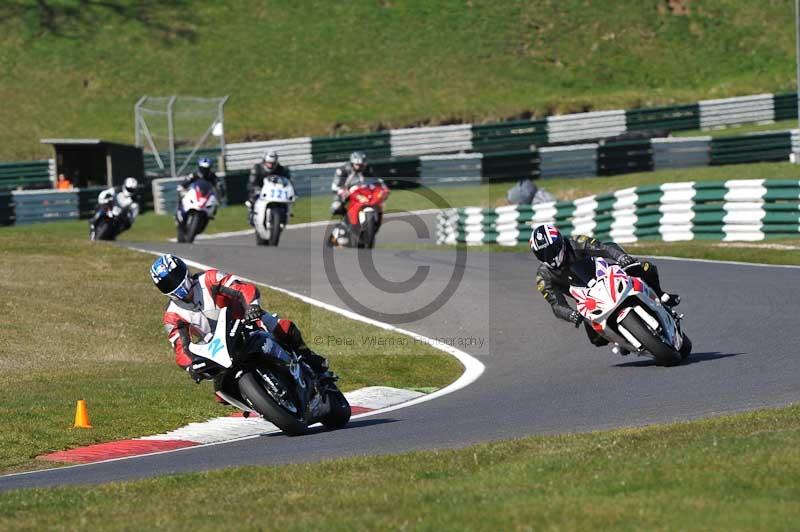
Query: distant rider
[[193, 296], [123, 204], [268, 167], [565, 261], [354, 171], [204, 171]]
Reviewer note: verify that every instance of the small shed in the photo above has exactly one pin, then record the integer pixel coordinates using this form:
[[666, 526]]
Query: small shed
[[95, 162]]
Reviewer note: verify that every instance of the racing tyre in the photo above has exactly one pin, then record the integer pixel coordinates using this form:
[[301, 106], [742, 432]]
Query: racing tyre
[[370, 230], [103, 231], [340, 411], [664, 354], [686, 348], [193, 223], [275, 220], [252, 388]]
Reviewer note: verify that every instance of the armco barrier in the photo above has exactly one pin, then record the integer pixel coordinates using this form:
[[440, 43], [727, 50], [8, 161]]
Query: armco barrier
[[465, 169], [681, 152], [748, 209], [6, 208], [45, 205], [25, 174], [522, 134]]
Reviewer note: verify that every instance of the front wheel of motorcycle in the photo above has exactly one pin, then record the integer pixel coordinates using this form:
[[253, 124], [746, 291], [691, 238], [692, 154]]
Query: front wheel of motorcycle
[[103, 230], [686, 347], [370, 230], [252, 388], [193, 225], [664, 354], [340, 411]]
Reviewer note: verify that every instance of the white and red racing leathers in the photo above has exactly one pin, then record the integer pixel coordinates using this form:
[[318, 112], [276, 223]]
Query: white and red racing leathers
[[211, 291]]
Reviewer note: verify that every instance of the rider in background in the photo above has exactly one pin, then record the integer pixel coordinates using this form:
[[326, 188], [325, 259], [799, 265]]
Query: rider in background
[[125, 208], [192, 297], [354, 171], [269, 166], [564, 262], [205, 172]]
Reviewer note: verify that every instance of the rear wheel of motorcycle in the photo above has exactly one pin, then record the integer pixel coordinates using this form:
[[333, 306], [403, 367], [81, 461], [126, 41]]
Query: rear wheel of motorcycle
[[193, 223], [686, 347], [664, 354], [275, 219], [252, 389], [340, 411]]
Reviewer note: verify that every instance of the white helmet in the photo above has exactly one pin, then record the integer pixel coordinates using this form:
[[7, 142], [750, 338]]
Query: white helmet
[[359, 159], [271, 158], [130, 185]]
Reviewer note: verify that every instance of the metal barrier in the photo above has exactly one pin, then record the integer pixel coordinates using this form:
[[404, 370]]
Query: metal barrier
[[579, 160], [243, 155], [27, 174], [45, 206], [6, 208], [464, 169], [425, 140]]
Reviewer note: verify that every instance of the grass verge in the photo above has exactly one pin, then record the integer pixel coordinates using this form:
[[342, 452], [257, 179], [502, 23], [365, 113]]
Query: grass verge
[[83, 321], [75, 68], [736, 472]]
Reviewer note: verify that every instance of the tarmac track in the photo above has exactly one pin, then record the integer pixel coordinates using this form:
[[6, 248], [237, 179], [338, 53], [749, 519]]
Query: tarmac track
[[541, 377]]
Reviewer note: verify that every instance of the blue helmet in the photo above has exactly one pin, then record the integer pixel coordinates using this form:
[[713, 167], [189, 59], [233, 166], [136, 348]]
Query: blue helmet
[[171, 275], [548, 245], [204, 162]]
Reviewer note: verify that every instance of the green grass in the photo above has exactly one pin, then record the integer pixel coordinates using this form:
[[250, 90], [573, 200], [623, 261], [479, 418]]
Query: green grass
[[82, 320], [735, 472], [75, 69]]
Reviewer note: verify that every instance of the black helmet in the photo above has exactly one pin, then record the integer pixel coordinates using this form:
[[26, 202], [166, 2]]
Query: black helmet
[[548, 245], [171, 276]]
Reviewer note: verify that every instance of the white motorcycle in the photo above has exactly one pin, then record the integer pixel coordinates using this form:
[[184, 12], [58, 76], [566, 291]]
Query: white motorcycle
[[196, 207], [624, 310], [272, 210]]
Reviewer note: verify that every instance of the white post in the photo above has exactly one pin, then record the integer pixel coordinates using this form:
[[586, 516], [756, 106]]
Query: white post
[[171, 137]]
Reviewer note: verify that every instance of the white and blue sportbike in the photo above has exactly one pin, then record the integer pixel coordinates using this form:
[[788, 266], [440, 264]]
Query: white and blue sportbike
[[272, 209], [256, 374]]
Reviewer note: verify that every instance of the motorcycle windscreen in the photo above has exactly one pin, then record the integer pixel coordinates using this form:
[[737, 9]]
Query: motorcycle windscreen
[[217, 349]]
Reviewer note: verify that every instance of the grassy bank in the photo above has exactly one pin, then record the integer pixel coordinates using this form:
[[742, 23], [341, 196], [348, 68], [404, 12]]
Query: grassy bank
[[83, 321], [75, 69], [730, 473]]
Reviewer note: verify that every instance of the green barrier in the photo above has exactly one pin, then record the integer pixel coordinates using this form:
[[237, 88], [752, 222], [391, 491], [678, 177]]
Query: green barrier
[[87, 201], [25, 174], [334, 149], [625, 156], [509, 136], [510, 166], [785, 106], [751, 148], [6, 208], [671, 118]]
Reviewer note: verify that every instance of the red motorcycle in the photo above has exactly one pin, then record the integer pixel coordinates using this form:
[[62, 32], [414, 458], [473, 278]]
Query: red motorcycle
[[363, 217]]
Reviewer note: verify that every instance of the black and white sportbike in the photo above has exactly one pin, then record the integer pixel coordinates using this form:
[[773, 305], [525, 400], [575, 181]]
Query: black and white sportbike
[[256, 374]]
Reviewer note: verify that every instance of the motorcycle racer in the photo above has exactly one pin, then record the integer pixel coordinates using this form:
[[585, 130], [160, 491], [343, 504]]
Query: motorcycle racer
[[356, 170], [205, 172], [194, 297], [565, 260], [269, 166], [125, 207]]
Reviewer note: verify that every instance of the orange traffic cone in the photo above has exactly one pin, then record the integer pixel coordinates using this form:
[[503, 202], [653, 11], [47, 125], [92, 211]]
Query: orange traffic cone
[[82, 416]]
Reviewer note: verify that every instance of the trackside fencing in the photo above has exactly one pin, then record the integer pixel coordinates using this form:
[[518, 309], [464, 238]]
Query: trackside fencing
[[517, 135], [745, 210]]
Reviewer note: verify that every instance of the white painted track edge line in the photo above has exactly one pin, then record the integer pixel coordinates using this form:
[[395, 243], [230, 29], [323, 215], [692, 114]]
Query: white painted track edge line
[[473, 369], [715, 261], [304, 225]]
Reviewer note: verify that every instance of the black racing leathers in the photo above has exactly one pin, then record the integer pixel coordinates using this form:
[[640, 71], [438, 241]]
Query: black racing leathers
[[258, 173], [579, 268]]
